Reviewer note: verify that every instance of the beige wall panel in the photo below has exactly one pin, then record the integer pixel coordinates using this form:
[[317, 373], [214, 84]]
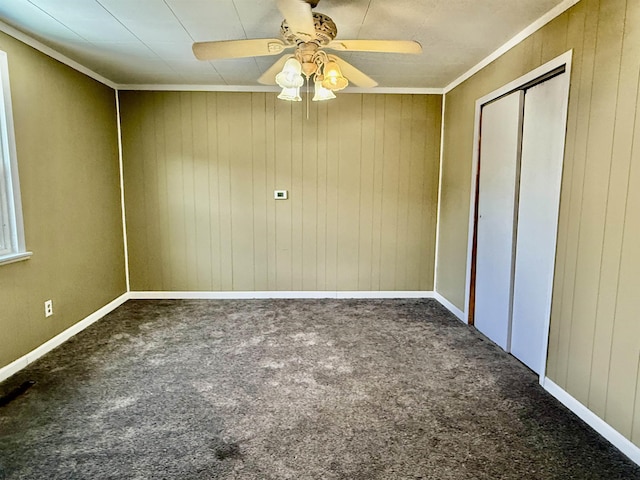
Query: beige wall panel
[[366, 185], [201, 189], [600, 130], [571, 194], [430, 194], [616, 207], [361, 174], [350, 145], [321, 206], [559, 331], [188, 170], [66, 139], [283, 160], [390, 193], [378, 174], [623, 377], [261, 191], [242, 187], [594, 341]]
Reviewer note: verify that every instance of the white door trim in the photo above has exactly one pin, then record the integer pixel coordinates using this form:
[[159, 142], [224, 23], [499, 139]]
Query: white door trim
[[559, 61]]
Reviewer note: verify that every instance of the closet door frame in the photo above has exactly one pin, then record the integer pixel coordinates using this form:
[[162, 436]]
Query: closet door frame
[[535, 76]]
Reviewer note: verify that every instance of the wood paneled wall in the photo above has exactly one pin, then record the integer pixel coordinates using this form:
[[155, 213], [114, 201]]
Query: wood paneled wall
[[200, 173], [67, 146], [594, 350]]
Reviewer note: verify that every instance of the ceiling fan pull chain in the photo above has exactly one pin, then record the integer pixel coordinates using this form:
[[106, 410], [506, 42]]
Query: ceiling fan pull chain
[[307, 99]]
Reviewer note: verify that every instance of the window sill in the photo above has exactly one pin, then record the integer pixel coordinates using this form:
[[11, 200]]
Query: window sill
[[15, 257]]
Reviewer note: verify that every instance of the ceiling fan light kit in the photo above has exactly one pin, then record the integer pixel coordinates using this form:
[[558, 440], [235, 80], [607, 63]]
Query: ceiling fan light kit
[[309, 33], [321, 93]]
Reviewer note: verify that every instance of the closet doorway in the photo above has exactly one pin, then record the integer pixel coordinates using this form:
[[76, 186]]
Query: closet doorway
[[518, 178]]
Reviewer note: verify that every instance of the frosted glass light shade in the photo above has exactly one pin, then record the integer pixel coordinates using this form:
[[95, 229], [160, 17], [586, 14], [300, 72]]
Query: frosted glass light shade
[[290, 94], [322, 93], [333, 79], [291, 74]]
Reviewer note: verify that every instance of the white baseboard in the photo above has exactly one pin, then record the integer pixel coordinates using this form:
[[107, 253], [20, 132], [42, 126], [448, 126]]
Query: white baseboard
[[277, 295], [20, 363], [450, 306], [603, 428]]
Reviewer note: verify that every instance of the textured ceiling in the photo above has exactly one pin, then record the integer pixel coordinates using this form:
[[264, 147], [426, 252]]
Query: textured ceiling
[[149, 41]]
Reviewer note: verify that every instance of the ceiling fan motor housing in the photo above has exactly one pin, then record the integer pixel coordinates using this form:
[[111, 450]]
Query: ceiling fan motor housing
[[325, 30]]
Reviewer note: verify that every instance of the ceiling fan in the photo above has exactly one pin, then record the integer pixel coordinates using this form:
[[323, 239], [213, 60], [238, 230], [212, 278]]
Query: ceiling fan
[[309, 33]]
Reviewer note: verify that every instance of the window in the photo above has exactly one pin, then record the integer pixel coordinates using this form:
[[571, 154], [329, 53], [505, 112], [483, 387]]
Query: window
[[12, 245]]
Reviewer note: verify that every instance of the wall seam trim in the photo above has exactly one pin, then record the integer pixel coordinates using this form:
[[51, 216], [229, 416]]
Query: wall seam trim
[[122, 205], [437, 246]]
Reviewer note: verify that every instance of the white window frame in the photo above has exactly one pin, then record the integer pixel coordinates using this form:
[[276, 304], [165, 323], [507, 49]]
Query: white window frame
[[12, 242]]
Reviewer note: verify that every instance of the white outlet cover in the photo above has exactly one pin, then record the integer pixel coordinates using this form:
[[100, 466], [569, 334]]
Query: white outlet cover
[[280, 194], [48, 308]]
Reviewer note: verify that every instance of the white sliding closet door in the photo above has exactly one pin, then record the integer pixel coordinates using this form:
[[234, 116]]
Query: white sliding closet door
[[500, 130], [540, 177]]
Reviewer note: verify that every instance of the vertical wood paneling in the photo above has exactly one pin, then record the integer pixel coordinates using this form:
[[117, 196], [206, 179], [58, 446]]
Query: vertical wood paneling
[[333, 156], [594, 344], [390, 192], [214, 192], [361, 174], [260, 192], [308, 205], [201, 191], [283, 226], [298, 118], [349, 144], [378, 194], [225, 144], [616, 207], [175, 191], [242, 188], [189, 201], [366, 199], [575, 32], [594, 196], [321, 206], [270, 182]]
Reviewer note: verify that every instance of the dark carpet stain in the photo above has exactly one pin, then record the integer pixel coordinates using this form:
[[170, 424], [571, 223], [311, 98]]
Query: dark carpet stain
[[290, 389], [6, 398]]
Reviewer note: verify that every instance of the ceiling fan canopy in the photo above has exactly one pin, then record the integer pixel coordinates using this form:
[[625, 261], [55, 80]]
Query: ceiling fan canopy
[[308, 34]]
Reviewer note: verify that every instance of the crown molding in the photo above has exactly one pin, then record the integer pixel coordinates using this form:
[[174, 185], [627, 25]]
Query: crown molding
[[273, 89], [531, 29], [32, 42]]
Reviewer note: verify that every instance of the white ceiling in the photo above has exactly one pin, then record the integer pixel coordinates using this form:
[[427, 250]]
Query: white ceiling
[[149, 41]]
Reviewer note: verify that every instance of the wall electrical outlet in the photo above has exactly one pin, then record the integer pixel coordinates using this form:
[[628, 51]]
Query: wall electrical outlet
[[48, 308]]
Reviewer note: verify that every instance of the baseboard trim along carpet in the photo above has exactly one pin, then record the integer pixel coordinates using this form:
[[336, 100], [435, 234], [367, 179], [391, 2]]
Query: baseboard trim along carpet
[[607, 431], [450, 306], [32, 356], [278, 295], [603, 428]]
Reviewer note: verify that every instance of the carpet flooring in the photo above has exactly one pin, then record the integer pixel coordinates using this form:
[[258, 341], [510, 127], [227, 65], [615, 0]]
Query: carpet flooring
[[290, 389]]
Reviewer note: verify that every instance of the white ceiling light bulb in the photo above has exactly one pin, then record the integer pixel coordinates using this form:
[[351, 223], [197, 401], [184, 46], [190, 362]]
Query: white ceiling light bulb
[[291, 75], [291, 94], [322, 93]]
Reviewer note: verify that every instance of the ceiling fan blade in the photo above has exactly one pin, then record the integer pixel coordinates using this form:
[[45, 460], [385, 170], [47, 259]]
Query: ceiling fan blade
[[299, 17], [354, 75], [269, 77], [387, 46], [238, 48]]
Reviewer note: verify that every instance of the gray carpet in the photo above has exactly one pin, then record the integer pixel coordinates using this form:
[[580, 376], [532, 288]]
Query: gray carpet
[[290, 389]]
